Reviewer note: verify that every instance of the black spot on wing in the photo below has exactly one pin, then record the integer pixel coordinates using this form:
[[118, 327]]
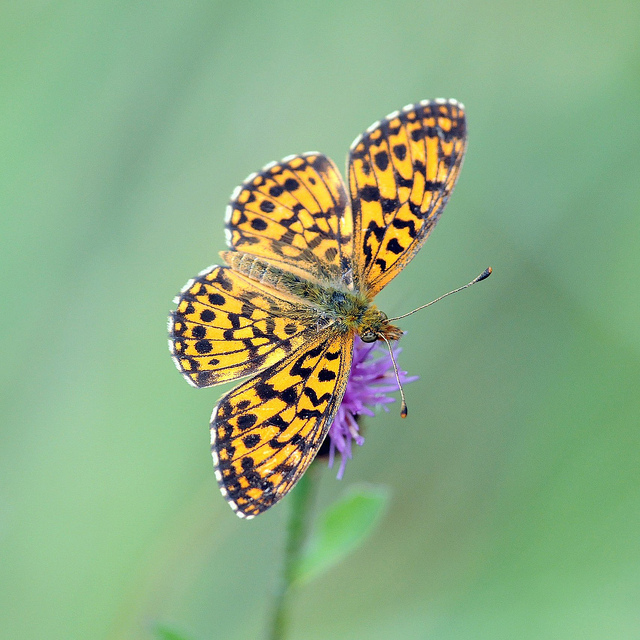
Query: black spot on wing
[[400, 151], [199, 332], [394, 246], [207, 315], [382, 264], [382, 160], [404, 182], [389, 205], [274, 443], [267, 207], [247, 420], [203, 346], [376, 230], [251, 440], [326, 375], [278, 421], [289, 395], [370, 193], [265, 391], [247, 463]]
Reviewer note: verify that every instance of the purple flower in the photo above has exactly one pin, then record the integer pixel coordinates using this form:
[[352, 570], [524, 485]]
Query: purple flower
[[370, 380]]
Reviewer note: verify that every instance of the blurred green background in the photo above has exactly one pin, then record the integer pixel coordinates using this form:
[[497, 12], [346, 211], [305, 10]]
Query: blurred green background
[[124, 127]]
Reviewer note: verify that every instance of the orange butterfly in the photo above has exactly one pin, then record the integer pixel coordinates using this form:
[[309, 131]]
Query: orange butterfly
[[304, 264]]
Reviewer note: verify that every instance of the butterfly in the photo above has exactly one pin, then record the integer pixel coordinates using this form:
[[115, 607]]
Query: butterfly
[[306, 258]]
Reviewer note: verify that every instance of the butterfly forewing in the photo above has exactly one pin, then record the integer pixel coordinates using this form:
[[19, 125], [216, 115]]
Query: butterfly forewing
[[401, 172], [297, 212], [266, 432], [227, 326]]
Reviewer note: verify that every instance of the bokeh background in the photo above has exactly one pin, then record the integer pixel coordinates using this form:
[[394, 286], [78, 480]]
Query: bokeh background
[[515, 509]]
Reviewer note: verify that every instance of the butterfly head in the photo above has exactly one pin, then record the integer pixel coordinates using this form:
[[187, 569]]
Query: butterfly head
[[376, 326]]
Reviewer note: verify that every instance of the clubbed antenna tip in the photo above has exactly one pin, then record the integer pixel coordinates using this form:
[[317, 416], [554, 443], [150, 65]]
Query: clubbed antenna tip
[[403, 409]]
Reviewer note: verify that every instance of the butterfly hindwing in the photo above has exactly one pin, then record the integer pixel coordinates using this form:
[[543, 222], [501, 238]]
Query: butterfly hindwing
[[227, 326], [266, 432], [401, 173], [294, 212]]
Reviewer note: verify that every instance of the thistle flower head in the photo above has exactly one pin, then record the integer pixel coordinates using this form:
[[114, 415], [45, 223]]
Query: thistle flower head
[[371, 379]]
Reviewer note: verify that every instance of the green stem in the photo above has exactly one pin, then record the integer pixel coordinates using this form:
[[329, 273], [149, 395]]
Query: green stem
[[300, 502]]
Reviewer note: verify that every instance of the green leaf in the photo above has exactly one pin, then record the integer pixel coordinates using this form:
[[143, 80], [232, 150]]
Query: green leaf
[[165, 633], [343, 527]]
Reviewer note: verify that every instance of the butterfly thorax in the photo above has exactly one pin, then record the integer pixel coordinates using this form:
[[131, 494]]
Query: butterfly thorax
[[333, 302]]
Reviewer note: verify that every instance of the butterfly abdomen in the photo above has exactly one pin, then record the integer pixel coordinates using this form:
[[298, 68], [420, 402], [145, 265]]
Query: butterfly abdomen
[[328, 299], [267, 273]]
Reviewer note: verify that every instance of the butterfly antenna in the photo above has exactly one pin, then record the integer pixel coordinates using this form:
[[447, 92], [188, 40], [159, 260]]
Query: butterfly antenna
[[483, 276], [403, 409]]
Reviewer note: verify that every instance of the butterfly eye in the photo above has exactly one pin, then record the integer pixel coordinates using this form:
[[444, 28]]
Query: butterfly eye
[[368, 336]]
